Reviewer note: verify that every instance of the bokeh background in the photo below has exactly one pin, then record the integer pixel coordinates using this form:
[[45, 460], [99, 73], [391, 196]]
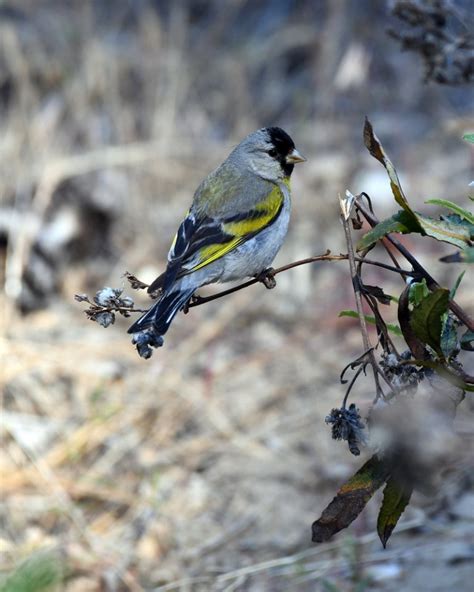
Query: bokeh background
[[203, 468]]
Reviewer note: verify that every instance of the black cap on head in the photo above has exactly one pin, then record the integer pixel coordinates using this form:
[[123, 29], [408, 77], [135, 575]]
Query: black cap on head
[[283, 145], [281, 140]]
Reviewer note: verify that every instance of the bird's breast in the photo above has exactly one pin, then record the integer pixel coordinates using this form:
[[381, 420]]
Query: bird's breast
[[258, 253]]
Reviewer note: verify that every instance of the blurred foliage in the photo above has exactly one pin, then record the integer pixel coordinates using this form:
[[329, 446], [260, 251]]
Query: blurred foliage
[[441, 33]]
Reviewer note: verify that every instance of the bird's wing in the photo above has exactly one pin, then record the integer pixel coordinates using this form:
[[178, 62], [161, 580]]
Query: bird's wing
[[202, 239]]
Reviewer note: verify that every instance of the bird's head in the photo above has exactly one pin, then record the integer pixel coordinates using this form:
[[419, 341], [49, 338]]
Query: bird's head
[[270, 153]]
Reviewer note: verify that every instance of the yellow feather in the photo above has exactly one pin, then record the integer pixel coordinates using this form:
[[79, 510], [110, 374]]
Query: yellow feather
[[264, 213], [213, 252]]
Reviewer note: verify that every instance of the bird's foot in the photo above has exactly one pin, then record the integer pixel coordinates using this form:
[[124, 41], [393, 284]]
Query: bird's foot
[[267, 278], [195, 299]]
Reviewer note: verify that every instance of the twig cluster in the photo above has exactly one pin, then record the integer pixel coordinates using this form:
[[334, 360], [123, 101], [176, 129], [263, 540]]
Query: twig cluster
[[105, 304]]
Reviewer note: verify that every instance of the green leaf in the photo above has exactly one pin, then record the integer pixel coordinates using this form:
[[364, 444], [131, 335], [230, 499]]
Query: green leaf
[[395, 499], [453, 207], [400, 222], [426, 318], [418, 292], [449, 336], [446, 230], [457, 283], [469, 138], [350, 500], [395, 329], [417, 348], [459, 221]]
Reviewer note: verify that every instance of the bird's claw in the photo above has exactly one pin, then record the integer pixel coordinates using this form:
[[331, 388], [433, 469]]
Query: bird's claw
[[193, 300], [267, 278]]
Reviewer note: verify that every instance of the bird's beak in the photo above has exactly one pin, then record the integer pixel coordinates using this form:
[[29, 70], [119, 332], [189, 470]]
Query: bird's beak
[[294, 157]]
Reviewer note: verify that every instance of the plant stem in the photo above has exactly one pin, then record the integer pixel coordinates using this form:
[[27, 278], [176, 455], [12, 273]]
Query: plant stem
[[358, 300]]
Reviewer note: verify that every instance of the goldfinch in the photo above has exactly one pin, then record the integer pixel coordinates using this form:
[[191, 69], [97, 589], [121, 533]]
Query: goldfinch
[[235, 226]]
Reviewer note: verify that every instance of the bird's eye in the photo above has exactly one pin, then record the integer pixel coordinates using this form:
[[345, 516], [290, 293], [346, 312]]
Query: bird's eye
[[272, 152]]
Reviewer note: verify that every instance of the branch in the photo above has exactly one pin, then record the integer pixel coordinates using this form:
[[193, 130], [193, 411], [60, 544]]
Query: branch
[[198, 300], [269, 273]]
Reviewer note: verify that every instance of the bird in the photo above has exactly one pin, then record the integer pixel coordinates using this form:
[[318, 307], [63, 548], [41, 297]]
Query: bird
[[234, 228]]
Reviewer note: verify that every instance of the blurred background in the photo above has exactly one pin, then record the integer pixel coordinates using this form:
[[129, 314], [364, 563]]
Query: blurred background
[[204, 467]]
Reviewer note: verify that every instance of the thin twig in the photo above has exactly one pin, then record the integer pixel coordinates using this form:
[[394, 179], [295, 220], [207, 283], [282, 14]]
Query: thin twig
[[382, 330], [121, 309], [432, 283], [380, 323], [396, 269], [358, 299], [353, 365], [352, 382]]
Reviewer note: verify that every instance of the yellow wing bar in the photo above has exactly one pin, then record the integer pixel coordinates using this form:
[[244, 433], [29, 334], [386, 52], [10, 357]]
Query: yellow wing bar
[[243, 228]]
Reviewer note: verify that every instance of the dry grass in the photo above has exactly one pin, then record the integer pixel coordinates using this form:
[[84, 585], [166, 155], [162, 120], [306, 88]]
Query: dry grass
[[203, 468]]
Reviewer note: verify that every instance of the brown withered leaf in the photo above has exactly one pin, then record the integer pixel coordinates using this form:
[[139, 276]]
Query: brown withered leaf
[[374, 146], [350, 500], [378, 293]]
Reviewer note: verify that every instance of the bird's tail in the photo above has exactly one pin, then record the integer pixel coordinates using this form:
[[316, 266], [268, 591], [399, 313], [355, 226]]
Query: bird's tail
[[161, 314]]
